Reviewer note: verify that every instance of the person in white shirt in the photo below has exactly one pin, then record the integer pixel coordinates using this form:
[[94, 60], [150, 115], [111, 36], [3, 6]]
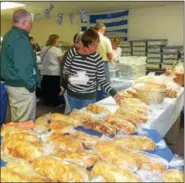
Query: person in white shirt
[[104, 48], [116, 50], [51, 56]]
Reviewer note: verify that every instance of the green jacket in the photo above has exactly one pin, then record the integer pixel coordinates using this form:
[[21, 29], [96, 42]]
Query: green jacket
[[18, 62]]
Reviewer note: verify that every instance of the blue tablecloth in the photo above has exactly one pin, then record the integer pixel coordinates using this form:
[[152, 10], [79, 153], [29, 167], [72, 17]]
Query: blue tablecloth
[[165, 152]]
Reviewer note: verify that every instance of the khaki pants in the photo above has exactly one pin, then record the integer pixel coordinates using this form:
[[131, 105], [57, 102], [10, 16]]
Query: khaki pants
[[22, 103]]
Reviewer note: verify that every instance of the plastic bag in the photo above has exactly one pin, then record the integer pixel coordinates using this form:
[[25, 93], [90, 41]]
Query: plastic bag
[[150, 176], [112, 153], [161, 144], [176, 161], [150, 162], [98, 178], [135, 142], [173, 175]]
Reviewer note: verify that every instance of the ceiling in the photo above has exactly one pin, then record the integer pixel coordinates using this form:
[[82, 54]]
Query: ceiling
[[90, 7]]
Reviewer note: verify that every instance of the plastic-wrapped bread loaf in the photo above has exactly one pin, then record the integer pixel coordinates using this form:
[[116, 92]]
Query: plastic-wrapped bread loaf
[[114, 154], [59, 171], [128, 94], [64, 118], [113, 173], [8, 175], [11, 129], [97, 109], [139, 117], [22, 149], [88, 141], [173, 175], [102, 127], [122, 125], [60, 127], [150, 162], [66, 143], [135, 142], [25, 135], [82, 116], [84, 159], [41, 124]]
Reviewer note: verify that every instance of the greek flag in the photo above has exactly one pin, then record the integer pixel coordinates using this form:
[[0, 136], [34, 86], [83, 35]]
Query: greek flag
[[116, 23]]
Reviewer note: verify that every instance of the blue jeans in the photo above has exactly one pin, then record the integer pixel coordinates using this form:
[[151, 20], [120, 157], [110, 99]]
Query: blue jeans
[[75, 103]]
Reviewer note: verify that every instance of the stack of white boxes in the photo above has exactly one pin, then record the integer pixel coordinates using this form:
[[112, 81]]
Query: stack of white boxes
[[132, 67], [170, 55], [126, 48], [154, 53], [139, 48]]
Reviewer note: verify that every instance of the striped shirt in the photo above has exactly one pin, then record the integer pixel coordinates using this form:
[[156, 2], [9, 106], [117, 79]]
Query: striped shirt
[[93, 65]]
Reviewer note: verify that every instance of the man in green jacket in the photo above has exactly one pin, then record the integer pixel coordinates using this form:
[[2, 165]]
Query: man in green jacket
[[18, 68]]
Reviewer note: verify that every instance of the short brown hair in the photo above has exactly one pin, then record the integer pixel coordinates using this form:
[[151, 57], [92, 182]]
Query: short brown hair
[[20, 14], [100, 25], [52, 39], [89, 36]]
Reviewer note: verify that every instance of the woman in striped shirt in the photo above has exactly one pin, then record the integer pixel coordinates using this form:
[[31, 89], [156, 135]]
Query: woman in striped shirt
[[84, 69]]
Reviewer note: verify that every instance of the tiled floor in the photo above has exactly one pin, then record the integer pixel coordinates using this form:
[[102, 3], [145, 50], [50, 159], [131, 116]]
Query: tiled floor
[[43, 109]]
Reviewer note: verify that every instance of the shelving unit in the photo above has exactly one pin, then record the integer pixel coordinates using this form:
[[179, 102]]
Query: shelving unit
[[159, 55]]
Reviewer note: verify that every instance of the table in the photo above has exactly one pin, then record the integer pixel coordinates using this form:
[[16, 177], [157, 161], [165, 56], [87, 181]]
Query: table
[[163, 152], [162, 117], [120, 84]]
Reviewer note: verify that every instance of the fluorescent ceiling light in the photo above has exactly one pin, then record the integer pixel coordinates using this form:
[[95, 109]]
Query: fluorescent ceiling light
[[9, 5]]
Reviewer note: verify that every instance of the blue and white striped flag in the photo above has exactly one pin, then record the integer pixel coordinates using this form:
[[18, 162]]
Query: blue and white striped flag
[[84, 16], [116, 23]]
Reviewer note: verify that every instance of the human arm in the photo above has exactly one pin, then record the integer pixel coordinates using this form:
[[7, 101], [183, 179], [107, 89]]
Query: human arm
[[104, 84], [67, 59], [109, 51]]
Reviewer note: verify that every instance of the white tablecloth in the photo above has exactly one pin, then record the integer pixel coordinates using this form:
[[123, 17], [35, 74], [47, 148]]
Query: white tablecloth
[[162, 117], [120, 84]]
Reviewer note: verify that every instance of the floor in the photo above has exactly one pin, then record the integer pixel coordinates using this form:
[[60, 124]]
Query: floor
[[177, 145]]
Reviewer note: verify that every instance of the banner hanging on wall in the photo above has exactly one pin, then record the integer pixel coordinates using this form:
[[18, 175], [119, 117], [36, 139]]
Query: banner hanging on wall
[[37, 17], [71, 15], [51, 7], [59, 18], [84, 16], [47, 14]]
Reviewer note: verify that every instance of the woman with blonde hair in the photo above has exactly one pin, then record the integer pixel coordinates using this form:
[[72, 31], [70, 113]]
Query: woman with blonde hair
[[116, 50], [51, 56]]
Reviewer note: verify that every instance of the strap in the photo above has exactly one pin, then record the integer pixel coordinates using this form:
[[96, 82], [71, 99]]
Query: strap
[[45, 54]]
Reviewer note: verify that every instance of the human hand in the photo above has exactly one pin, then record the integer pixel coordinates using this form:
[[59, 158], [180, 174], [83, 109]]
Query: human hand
[[62, 90], [113, 61], [117, 98]]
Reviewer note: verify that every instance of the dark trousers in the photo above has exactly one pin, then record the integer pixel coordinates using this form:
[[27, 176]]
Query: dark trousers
[[50, 89]]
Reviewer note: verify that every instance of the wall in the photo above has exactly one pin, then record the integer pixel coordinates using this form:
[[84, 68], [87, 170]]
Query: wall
[[165, 22], [5, 26], [144, 23], [66, 31], [42, 29]]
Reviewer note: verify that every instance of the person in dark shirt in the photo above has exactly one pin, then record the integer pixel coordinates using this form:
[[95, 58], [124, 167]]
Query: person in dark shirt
[[19, 69], [35, 46]]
